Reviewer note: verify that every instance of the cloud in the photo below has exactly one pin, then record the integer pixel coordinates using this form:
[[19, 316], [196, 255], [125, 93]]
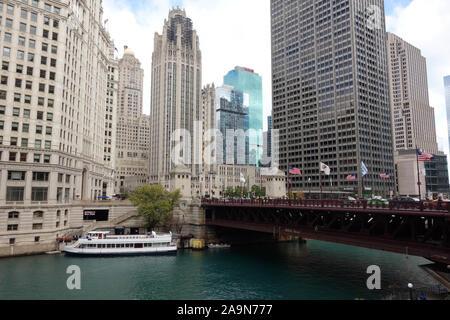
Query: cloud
[[426, 25], [231, 33]]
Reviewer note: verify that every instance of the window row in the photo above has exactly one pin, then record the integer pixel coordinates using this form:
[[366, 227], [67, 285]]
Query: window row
[[23, 157]]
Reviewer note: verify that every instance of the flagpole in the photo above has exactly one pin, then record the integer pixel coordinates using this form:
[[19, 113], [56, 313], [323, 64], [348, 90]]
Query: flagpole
[[418, 174], [321, 188], [362, 186]]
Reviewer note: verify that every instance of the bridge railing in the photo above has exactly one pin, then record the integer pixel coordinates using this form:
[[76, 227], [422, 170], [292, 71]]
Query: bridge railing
[[358, 204]]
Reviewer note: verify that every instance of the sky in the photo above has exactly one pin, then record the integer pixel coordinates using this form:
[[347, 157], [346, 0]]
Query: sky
[[237, 33]]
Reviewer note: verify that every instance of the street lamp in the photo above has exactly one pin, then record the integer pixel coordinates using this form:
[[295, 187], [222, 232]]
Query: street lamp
[[410, 286]]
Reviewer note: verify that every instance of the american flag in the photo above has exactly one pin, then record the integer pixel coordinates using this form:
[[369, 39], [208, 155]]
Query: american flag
[[385, 175], [295, 171], [351, 177], [423, 156]]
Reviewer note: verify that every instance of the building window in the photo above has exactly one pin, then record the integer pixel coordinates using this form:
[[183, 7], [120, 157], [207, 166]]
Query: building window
[[23, 156], [16, 175], [38, 215], [8, 37], [13, 227], [40, 176], [59, 194], [46, 158], [39, 194], [37, 226], [14, 193], [12, 156], [12, 241], [37, 158], [13, 215], [25, 126], [10, 9], [6, 51], [37, 239]]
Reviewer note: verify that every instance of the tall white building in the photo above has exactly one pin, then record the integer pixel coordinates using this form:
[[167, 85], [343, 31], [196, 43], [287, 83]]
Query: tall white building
[[413, 117], [176, 98], [133, 127], [56, 76]]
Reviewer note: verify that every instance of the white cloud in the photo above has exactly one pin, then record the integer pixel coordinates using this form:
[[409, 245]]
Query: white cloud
[[231, 33], [426, 25]]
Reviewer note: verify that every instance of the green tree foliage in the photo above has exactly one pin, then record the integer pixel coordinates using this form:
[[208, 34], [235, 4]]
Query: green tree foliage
[[155, 204]]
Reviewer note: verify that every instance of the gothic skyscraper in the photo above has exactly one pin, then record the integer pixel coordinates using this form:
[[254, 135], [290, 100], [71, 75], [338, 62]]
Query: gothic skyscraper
[[176, 100]]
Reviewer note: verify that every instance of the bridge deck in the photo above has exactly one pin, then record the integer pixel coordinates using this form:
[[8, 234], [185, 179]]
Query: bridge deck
[[394, 207]]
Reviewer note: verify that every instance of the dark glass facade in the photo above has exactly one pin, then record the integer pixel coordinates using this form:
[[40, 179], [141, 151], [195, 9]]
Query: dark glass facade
[[330, 91], [437, 175], [232, 122]]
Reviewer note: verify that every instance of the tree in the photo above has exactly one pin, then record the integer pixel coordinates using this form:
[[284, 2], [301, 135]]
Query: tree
[[263, 192], [155, 204], [256, 191], [290, 195], [230, 192]]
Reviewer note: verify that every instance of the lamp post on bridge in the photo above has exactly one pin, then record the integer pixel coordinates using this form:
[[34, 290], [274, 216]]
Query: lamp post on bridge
[[410, 286]]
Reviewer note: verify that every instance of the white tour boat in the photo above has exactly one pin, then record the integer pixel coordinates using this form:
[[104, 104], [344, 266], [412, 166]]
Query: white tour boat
[[100, 243]]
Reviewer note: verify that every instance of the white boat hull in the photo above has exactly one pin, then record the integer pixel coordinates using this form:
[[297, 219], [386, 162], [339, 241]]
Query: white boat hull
[[120, 252]]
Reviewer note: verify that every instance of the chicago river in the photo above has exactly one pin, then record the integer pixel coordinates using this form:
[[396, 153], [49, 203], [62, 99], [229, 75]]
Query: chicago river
[[283, 271]]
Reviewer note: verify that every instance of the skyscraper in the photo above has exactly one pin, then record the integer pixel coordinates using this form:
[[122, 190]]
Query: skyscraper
[[176, 97], [330, 91], [249, 83], [447, 98], [133, 127], [413, 118], [232, 118]]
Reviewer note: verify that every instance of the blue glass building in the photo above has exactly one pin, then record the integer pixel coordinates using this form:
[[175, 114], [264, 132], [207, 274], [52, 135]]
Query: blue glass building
[[250, 84], [232, 122]]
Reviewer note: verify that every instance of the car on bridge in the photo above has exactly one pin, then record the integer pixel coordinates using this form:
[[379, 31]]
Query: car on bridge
[[378, 201]]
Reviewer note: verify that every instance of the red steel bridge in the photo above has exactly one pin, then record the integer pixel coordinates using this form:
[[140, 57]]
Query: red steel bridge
[[410, 228]]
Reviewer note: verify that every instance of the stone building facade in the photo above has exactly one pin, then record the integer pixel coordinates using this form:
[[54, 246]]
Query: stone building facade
[[56, 59]]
